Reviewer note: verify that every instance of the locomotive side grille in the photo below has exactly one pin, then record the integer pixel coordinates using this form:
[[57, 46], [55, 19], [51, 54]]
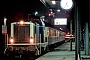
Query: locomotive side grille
[[21, 33]]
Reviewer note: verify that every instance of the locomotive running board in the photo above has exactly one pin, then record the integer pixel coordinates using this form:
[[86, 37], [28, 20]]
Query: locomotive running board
[[29, 44], [20, 44]]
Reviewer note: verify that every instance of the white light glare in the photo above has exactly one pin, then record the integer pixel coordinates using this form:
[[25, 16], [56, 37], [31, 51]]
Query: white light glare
[[66, 4], [31, 41], [58, 10], [11, 40], [61, 29], [53, 2], [5, 18], [36, 13], [5, 21]]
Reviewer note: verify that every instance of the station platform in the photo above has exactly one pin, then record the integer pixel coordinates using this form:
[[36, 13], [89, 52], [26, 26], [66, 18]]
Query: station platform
[[61, 53]]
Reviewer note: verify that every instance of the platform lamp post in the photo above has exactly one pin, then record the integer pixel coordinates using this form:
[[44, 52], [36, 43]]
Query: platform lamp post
[[5, 28]]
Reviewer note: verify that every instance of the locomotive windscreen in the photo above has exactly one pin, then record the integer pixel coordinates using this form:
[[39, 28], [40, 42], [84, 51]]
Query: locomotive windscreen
[[21, 33]]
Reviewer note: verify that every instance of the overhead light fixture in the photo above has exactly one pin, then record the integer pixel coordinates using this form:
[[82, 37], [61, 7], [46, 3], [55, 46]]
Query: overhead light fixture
[[36, 13], [58, 10], [53, 2], [66, 4], [61, 29]]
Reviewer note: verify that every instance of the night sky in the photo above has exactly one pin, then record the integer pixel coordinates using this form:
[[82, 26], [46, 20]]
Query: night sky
[[10, 8]]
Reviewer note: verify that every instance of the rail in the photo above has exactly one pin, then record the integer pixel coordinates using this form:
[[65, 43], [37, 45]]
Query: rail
[[85, 58]]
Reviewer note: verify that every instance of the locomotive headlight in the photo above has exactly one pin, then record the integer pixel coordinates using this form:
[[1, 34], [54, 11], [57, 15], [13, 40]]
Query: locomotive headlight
[[21, 22], [31, 40], [11, 40]]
